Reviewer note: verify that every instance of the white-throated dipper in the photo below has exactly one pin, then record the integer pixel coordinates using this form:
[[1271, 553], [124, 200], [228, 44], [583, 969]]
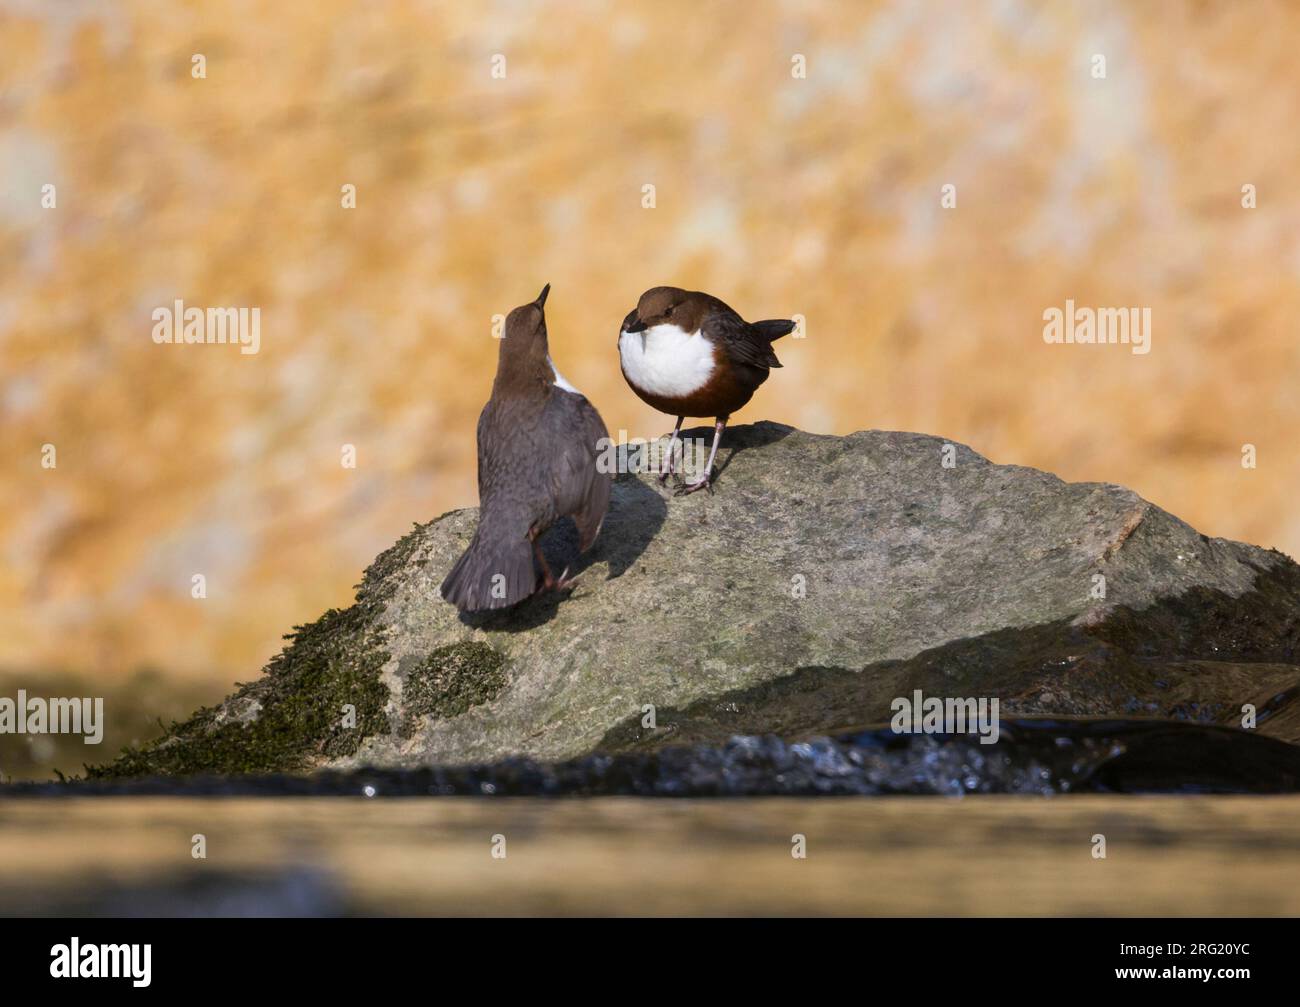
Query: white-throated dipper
[[538, 441], [688, 354]]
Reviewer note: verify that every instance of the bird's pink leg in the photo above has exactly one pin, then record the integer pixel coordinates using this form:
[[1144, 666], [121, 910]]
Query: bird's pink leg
[[705, 480], [670, 469]]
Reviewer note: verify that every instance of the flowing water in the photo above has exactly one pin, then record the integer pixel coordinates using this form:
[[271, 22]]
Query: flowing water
[[1057, 817], [981, 855]]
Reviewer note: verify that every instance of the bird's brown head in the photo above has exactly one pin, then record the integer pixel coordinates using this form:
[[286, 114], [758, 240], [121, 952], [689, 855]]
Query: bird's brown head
[[668, 306], [524, 354]]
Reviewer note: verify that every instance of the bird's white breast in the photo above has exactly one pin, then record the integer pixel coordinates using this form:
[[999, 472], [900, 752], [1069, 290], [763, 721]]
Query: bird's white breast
[[559, 378], [665, 360]]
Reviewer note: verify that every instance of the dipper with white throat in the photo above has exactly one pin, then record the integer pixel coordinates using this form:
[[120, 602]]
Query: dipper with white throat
[[538, 441], [688, 354]]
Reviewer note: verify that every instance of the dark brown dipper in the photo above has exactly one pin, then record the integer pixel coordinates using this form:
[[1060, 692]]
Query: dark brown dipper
[[538, 441], [688, 354]]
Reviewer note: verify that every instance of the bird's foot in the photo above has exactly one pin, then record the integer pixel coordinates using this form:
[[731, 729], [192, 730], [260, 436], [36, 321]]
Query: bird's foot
[[562, 583], [670, 468], [705, 482]]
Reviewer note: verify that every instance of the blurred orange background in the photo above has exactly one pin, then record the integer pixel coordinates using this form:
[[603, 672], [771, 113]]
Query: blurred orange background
[[783, 195]]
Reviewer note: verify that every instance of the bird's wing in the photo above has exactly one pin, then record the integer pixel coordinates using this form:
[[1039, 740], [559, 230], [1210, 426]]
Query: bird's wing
[[579, 486], [743, 343], [508, 442]]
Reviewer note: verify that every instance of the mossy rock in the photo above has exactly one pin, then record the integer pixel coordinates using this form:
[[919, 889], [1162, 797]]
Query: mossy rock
[[319, 699], [823, 577], [452, 680], [297, 714]]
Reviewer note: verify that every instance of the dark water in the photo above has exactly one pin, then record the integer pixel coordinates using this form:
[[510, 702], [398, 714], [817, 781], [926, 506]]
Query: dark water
[[635, 856], [1042, 757], [603, 843]]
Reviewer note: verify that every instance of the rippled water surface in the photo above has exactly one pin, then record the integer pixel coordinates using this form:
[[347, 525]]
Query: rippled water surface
[[316, 856], [1192, 819], [1027, 757]]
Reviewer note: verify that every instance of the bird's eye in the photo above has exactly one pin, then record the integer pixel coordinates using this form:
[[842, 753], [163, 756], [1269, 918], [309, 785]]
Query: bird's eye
[[670, 309]]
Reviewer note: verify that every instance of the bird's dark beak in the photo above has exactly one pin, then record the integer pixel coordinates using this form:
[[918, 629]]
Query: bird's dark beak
[[633, 323], [541, 298]]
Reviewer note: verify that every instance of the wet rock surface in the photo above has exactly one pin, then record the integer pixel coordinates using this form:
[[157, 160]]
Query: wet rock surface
[[1030, 757], [824, 577]]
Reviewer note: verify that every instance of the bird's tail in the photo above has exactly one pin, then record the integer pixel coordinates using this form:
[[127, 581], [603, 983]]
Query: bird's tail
[[774, 328], [492, 573]]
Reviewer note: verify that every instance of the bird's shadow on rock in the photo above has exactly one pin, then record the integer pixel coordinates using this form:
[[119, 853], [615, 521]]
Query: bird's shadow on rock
[[739, 438], [636, 513], [534, 611]]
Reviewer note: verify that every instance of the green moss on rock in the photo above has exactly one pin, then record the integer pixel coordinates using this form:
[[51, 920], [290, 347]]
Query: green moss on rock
[[451, 680], [292, 717]]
